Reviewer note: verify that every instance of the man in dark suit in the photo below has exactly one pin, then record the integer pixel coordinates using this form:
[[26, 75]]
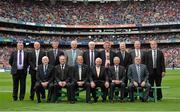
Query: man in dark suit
[[107, 55], [81, 77], [34, 58], [90, 55], [156, 67], [54, 54], [99, 78], [138, 76], [117, 76], [138, 52], [19, 63], [63, 77], [44, 79], [125, 61]]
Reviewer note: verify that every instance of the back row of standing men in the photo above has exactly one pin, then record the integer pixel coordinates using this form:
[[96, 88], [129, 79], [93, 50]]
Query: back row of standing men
[[20, 60]]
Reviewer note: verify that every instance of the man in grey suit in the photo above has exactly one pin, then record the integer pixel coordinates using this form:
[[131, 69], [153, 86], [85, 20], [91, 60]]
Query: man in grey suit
[[138, 52], [138, 76], [73, 53], [19, 63]]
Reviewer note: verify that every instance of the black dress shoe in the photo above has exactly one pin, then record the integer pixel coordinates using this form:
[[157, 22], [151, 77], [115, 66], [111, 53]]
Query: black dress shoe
[[21, 99], [131, 100], [39, 101], [72, 102], [14, 99]]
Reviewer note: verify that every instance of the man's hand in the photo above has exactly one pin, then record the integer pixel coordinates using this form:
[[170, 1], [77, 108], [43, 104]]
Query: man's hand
[[60, 83], [106, 84], [143, 84], [80, 83], [63, 83], [44, 84], [135, 84], [93, 84], [163, 74]]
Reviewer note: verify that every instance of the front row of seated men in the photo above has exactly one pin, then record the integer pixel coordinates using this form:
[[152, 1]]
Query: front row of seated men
[[81, 76]]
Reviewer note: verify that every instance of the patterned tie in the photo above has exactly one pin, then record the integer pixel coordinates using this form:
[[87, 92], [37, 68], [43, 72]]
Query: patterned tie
[[20, 57], [62, 72], [139, 73]]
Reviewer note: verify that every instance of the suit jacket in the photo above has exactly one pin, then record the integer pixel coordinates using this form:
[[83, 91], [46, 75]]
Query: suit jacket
[[13, 62], [103, 76], [143, 56], [86, 57], [84, 73], [127, 60], [160, 65], [133, 75], [32, 59], [103, 57], [121, 73], [67, 76], [68, 53], [52, 60], [41, 77]]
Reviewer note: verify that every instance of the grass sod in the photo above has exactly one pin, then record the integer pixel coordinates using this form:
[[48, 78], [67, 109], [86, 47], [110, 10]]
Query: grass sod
[[170, 102]]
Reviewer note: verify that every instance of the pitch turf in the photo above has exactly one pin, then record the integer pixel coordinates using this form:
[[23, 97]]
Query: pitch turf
[[170, 102]]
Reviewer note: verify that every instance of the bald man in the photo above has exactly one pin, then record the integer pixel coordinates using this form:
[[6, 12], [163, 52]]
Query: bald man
[[99, 78], [156, 66], [34, 58], [73, 53], [44, 79], [90, 55], [19, 63], [137, 51]]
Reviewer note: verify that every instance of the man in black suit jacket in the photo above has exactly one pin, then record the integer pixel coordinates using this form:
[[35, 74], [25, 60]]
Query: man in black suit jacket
[[99, 78], [90, 55], [63, 78], [125, 61], [156, 66], [117, 77], [107, 55], [19, 63], [54, 54], [44, 79], [81, 77], [138, 75], [138, 52], [34, 58]]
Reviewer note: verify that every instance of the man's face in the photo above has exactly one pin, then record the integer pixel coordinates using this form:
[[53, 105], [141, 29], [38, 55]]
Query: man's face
[[79, 60], [62, 59], [116, 61], [55, 45], [98, 62], [37, 45], [122, 47], [137, 45], [91, 46], [137, 60], [73, 45], [107, 46], [45, 60], [153, 45], [20, 46]]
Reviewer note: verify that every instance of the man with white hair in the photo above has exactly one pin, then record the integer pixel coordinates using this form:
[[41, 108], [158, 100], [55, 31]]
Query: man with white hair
[[99, 78], [73, 53], [34, 59], [44, 77], [90, 55]]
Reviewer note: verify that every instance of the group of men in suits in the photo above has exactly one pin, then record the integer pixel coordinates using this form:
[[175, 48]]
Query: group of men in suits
[[74, 69]]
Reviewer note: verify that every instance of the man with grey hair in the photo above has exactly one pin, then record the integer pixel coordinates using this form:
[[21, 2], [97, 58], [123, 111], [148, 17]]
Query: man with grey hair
[[34, 59], [19, 63], [54, 54], [73, 53], [90, 55]]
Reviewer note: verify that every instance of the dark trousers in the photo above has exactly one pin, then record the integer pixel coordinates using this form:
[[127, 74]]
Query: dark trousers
[[103, 88], [39, 88], [112, 88], [156, 79], [32, 89], [19, 77], [70, 91], [132, 88], [87, 87]]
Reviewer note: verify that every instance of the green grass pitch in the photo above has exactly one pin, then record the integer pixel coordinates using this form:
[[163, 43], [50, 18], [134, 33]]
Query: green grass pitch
[[170, 102]]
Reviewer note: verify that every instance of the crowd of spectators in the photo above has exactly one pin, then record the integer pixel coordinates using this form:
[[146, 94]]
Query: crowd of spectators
[[68, 13]]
